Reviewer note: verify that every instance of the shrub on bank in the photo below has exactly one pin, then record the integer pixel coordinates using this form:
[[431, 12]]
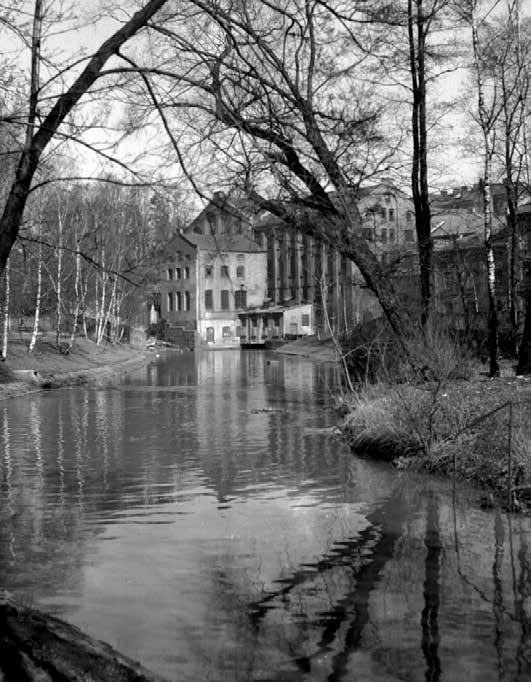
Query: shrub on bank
[[373, 354], [466, 428]]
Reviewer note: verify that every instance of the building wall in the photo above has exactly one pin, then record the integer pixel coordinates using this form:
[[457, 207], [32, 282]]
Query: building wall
[[179, 283], [211, 278], [303, 269], [388, 220]]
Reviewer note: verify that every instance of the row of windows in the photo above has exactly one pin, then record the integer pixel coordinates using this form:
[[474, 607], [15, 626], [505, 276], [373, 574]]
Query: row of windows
[[388, 214], [224, 271], [178, 273], [386, 235], [240, 299], [178, 301], [179, 256]]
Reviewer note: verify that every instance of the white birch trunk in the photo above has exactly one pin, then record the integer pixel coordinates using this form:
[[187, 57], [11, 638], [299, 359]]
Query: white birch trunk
[[5, 334], [35, 332], [59, 302], [110, 306], [77, 294], [487, 120]]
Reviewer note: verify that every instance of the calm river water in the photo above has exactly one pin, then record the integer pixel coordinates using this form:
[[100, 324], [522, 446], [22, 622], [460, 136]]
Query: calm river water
[[201, 517]]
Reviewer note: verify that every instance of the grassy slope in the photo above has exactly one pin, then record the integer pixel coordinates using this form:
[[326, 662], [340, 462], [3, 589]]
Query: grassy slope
[[86, 359]]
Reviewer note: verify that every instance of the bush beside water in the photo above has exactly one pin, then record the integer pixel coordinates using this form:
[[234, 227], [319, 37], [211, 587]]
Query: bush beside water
[[437, 413]]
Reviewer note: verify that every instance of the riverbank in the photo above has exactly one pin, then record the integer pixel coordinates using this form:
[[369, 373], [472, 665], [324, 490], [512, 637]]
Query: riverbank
[[46, 367], [478, 430], [37, 647]]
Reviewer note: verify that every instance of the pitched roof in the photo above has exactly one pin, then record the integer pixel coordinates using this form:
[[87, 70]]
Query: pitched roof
[[230, 242]]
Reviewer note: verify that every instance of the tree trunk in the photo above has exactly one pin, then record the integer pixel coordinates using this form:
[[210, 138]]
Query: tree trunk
[[487, 127], [59, 302], [77, 294], [524, 354], [5, 334], [35, 332], [417, 31]]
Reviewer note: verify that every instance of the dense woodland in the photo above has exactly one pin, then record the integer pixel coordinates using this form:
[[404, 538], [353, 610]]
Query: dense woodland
[[105, 142]]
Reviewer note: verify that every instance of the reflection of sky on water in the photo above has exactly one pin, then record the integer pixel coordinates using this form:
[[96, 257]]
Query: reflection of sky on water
[[200, 518]]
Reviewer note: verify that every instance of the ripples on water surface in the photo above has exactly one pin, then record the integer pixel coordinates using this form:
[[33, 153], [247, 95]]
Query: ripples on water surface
[[201, 518]]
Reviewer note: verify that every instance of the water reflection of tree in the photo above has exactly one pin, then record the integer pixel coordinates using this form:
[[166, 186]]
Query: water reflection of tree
[[353, 568], [430, 612], [510, 627]]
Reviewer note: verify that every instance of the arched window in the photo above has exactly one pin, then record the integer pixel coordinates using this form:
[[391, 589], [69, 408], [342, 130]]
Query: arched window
[[240, 271]]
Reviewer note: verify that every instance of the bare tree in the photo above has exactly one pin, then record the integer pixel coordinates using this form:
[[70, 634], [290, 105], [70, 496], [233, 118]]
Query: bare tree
[[274, 93], [509, 55]]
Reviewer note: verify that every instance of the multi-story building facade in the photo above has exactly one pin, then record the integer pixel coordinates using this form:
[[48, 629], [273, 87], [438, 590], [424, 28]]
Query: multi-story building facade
[[230, 259], [207, 280], [304, 269]]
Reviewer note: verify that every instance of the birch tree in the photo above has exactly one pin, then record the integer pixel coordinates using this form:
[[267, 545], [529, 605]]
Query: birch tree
[[38, 298], [488, 112], [5, 311]]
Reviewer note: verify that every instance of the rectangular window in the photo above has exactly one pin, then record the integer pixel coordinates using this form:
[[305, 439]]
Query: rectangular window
[[208, 271], [177, 273], [391, 235], [383, 236], [178, 301], [186, 300], [170, 273], [225, 299], [240, 299], [170, 301], [186, 273], [226, 332], [224, 270], [409, 216], [367, 233], [254, 322], [408, 235], [277, 321], [391, 215], [305, 320], [239, 331], [209, 299]]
